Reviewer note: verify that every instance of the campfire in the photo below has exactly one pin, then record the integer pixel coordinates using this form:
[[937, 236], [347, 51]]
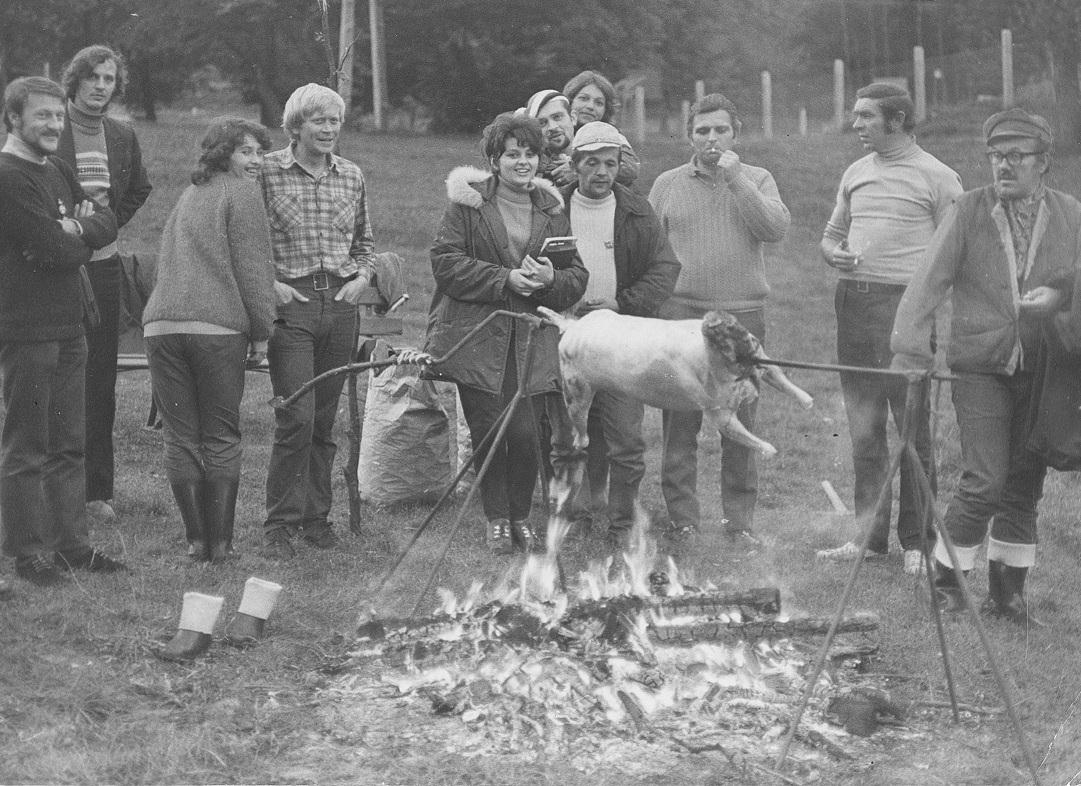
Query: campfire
[[627, 650]]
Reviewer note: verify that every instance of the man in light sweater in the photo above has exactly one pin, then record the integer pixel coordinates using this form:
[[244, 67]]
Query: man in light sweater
[[888, 205], [632, 270], [719, 213], [105, 154]]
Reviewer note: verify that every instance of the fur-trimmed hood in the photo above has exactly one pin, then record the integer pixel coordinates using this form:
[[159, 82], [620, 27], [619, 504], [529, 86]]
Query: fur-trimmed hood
[[470, 186]]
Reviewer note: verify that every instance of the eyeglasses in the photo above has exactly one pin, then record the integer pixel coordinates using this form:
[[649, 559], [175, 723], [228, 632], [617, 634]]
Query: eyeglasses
[[1013, 158]]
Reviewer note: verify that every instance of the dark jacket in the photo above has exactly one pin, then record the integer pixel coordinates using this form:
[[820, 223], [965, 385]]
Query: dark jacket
[[971, 259], [471, 261], [40, 296], [128, 183], [646, 265]]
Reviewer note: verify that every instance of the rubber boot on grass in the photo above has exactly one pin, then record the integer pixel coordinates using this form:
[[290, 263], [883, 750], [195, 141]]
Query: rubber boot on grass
[[248, 626], [189, 498], [197, 621], [219, 512], [948, 593], [1012, 604], [993, 603]]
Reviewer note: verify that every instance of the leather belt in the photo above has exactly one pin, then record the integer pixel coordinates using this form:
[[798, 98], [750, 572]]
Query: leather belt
[[868, 287], [320, 281]]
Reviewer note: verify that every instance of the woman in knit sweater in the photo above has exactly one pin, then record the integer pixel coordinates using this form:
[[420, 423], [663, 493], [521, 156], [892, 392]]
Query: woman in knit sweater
[[485, 259], [214, 294]]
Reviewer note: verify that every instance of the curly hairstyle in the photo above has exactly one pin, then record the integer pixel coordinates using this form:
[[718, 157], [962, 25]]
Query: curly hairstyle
[[83, 64], [576, 83], [713, 103], [524, 129], [224, 136]]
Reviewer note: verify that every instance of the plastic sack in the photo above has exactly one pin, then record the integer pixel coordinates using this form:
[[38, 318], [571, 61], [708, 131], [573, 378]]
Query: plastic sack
[[410, 442]]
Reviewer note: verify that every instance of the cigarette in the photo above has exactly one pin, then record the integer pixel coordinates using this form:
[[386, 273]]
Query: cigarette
[[398, 302]]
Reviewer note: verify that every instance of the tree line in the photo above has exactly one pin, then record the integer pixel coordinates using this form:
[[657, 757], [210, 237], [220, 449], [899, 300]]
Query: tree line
[[465, 60]]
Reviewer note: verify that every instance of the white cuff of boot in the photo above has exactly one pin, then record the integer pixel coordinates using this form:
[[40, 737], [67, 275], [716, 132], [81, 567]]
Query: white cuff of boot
[[1016, 555], [966, 555], [259, 598], [200, 612]]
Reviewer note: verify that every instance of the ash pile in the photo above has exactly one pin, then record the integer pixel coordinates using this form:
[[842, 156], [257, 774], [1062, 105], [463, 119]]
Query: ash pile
[[628, 652]]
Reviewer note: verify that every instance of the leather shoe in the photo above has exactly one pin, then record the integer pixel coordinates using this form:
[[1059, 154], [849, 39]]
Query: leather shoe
[[91, 560], [40, 569], [278, 546]]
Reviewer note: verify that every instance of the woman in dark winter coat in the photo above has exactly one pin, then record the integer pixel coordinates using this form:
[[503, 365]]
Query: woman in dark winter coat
[[486, 257], [214, 296]]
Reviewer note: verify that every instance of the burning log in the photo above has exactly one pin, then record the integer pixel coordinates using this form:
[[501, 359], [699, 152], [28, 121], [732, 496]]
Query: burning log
[[757, 629]]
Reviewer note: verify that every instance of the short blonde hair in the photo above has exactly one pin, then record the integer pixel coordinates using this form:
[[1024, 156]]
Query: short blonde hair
[[306, 101]]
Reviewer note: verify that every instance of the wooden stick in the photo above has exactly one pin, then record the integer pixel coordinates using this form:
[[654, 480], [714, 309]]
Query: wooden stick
[[835, 499]]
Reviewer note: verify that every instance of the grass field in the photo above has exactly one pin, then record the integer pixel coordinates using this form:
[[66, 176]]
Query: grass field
[[83, 699]]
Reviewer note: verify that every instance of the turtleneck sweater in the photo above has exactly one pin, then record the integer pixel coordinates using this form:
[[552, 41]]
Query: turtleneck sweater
[[593, 222], [91, 162], [516, 210], [888, 205]]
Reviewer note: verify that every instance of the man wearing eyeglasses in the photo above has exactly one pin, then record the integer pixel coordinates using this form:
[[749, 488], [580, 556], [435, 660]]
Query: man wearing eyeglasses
[[718, 213], [1007, 252], [888, 205]]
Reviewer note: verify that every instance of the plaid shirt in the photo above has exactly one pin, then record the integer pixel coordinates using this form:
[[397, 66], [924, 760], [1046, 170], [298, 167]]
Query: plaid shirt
[[316, 224]]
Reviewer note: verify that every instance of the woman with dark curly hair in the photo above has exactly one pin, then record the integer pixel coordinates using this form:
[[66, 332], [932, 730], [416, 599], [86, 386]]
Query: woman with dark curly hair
[[593, 97], [213, 296], [486, 258]]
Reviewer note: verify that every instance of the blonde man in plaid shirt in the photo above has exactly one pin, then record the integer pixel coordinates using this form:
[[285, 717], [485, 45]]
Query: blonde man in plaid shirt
[[322, 243]]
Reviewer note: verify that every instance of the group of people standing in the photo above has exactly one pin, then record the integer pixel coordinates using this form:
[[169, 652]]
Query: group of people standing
[[266, 254]]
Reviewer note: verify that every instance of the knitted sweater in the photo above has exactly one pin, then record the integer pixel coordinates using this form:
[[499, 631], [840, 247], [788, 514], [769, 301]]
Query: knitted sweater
[[888, 206], [40, 296], [718, 231], [215, 265]]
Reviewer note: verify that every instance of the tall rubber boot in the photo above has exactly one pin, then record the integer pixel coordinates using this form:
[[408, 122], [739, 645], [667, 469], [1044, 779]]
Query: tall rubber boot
[[248, 626], [189, 498], [219, 512], [993, 602], [197, 620], [948, 594], [1012, 604]]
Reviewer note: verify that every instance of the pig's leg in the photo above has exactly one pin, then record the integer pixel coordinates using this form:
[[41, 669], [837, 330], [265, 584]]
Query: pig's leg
[[726, 422], [776, 378]]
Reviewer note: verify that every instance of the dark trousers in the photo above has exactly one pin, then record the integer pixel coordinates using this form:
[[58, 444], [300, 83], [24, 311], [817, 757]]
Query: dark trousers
[[507, 487], [865, 314], [739, 469], [42, 478], [1000, 477], [198, 383], [101, 348], [618, 418], [309, 338]]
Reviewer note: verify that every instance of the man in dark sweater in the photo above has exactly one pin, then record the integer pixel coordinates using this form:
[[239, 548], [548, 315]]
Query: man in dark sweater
[[48, 229], [108, 163]]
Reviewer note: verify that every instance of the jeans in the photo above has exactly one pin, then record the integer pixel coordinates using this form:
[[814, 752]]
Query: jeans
[[309, 338], [619, 418], [198, 383], [42, 476], [1000, 478], [679, 467], [506, 489], [864, 323], [101, 348]]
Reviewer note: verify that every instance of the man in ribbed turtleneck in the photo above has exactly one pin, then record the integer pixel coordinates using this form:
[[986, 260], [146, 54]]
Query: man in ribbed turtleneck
[[105, 155], [888, 206]]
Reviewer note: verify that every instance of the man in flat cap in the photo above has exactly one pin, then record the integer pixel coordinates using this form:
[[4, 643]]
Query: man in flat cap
[[1007, 252]]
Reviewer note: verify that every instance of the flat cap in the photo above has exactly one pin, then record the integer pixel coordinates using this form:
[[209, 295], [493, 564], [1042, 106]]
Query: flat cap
[[596, 135], [1016, 122]]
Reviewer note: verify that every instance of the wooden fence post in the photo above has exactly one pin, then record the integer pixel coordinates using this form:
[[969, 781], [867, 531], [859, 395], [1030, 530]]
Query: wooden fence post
[[1007, 69], [839, 93], [919, 77], [767, 105]]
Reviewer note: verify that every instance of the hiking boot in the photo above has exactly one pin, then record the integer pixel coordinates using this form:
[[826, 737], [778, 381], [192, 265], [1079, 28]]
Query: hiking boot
[[849, 552], [40, 569], [914, 563], [91, 560], [523, 534], [278, 546], [321, 536], [499, 538]]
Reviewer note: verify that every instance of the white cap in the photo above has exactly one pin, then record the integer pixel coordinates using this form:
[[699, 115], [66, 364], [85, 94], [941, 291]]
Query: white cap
[[259, 598], [200, 612], [597, 135]]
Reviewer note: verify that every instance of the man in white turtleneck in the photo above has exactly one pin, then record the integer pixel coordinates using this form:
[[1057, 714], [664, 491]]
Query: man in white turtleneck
[[888, 206], [632, 270], [105, 155]]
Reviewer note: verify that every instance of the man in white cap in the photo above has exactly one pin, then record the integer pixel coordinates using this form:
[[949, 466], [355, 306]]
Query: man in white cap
[[632, 270], [1006, 254], [553, 112]]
